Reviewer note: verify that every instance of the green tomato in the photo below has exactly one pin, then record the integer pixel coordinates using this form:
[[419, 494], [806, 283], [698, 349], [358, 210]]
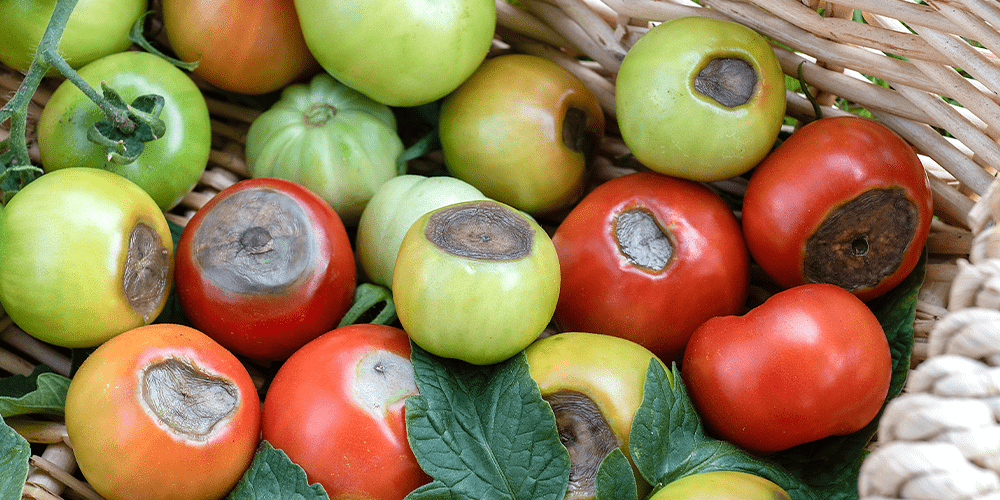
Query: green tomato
[[594, 383], [393, 209], [522, 129], [721, 485], [85, 255], [91, 33], [330, 139], [170, 166], [476, 281], [399, 52], [700, 98]]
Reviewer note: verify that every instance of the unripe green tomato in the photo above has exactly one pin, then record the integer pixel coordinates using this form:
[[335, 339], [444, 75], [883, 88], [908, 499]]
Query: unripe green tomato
[[329, 138], [96, 28], [700, 98], [84, 256], [721, 485], [476, 281], [393, 209]]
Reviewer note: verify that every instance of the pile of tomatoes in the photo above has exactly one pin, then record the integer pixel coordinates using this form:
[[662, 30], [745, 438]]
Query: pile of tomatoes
[[512, 246]]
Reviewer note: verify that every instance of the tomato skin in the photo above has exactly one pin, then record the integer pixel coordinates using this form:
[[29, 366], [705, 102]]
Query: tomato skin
[[268, 323], [603, 292], [810, 362], [169, 167], [504, 131], [248, 46], [821, 166], [90, 34], [68, 232], [125, 453], [721, 485], [311, 413]]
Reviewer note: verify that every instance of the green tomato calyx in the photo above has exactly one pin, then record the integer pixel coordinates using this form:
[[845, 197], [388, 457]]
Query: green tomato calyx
[[146, 275], [187, 400], [642, 240], [863, 241], [318, 114], [729, 81], [481, 230], [585, 433], [129, 126]]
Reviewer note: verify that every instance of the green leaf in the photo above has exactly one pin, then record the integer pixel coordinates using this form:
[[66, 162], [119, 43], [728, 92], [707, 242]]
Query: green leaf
[[273, 476], [364, 309], [668, 441], [124, 146], [41, 392], [14, 454], [615, 480], [483, 432]]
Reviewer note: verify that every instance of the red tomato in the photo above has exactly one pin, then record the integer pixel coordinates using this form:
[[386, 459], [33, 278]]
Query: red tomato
[[163, 412], [336, 408], [648, 258], [246, 46], [264, 267], [810, 362], [844, 201]]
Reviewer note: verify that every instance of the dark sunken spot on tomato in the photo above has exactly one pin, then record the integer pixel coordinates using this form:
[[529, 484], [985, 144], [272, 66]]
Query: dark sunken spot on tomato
[[480, 230], [863, 241], [642, 241], [729, 81], [147, 271]]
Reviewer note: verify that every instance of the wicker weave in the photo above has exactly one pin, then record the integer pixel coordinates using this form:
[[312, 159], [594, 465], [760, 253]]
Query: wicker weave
[[941, 438]]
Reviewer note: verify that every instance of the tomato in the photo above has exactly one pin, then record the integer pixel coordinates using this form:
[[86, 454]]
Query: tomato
[[329, 138], [648, 257], [162, 412], [336, 408], [393, 209], [721, 485], [169, 167], [523, 130], [84, 255], [399, 52], [844, 200], [475, 281], [810, 362], [91, 33], [700, 98], [248, 46], [264, 267], [594, 384]]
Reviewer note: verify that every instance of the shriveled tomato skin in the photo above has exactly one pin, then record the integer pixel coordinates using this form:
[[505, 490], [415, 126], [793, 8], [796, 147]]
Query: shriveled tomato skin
[[603, 292], [818, 169], [810, 362]]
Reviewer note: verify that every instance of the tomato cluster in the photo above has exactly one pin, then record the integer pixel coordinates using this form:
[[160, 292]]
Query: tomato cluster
[[515, 245]]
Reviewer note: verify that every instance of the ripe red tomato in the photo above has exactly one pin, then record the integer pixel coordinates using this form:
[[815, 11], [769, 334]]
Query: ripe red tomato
[[163, 412], [336, 408], [810, 362], [264, 267], [648, 258], [246, 46], [844, 201]]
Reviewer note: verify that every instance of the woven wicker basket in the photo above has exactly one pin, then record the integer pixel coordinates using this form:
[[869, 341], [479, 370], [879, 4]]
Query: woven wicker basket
[[941, 438]]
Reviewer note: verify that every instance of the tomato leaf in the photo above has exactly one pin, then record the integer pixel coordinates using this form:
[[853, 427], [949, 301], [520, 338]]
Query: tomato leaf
[[615, 480], [483, 431], [668, 440], [273, 476], [44, 391], [365, 308], [14, 454]]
